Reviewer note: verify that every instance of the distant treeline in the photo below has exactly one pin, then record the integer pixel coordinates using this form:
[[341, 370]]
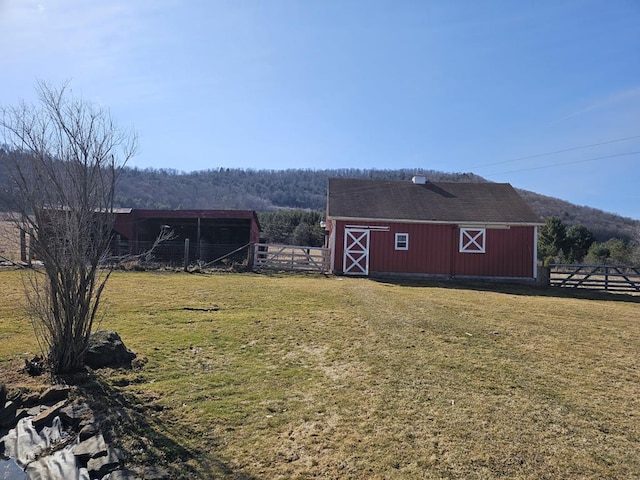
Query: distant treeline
[[260, 190], [305, 189]]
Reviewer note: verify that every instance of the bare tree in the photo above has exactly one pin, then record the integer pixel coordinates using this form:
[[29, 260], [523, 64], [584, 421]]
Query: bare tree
[[66, 157]]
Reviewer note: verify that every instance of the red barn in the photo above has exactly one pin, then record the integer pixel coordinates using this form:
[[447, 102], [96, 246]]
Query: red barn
[[420, 228]]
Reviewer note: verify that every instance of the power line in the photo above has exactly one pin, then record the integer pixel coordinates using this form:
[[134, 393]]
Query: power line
[[556, 152], [564, 163]]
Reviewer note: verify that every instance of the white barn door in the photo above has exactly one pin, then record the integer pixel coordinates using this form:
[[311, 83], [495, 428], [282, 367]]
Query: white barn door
[[356, 251]]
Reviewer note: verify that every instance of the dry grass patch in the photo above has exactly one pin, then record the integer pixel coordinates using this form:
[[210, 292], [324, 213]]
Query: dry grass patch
[[312, 377]]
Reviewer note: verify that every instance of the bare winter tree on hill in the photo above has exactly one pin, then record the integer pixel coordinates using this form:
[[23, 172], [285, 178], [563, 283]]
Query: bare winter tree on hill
[[66, 157]]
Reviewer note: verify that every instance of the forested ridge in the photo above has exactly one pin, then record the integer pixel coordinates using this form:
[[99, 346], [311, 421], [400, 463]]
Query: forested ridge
[[273, 190], [260, 190]]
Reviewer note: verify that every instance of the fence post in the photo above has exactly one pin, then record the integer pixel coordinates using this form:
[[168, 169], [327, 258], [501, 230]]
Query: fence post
[[23, 246], [251, 255], [186, 253], [544, 276], [30, 249], [606, 278]]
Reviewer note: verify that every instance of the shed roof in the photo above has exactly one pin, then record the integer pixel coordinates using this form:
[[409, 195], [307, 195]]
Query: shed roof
[[236, 214], [136, 214], [439, 202]]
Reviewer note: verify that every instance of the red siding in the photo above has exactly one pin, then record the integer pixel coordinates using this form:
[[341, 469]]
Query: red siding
[[509, 253], [433, 250], [428, 251]]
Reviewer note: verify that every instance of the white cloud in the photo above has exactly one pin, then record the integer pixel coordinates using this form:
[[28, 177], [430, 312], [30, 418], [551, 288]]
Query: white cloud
[[619, 98]]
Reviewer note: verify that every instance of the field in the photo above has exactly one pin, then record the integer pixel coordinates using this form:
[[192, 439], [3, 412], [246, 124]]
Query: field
[[302, 376]]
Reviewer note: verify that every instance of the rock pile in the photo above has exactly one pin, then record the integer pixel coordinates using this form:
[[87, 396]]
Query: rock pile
[[53, 437], [56, 435]]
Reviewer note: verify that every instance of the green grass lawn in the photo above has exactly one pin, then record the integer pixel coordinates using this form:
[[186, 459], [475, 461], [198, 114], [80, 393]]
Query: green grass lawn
[[294, 376]]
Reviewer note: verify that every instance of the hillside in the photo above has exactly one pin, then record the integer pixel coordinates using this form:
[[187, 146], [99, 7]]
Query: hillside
[[602, 224], [270, 190], [261, 190]]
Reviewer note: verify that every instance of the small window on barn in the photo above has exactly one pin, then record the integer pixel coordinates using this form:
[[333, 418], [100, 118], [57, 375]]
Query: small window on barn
[[402, 241], [472, 240]]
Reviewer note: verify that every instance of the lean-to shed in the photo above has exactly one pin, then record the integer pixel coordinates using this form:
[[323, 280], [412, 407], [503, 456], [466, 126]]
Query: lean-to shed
[[212, 233]]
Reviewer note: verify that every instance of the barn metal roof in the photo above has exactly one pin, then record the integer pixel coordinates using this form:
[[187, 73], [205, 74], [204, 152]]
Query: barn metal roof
[[439, 202]]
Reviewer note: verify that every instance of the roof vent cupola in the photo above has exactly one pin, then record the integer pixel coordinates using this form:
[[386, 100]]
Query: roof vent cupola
[[419, 179]]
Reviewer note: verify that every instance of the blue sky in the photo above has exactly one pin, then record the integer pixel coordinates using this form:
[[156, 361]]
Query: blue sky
[[489, 87]]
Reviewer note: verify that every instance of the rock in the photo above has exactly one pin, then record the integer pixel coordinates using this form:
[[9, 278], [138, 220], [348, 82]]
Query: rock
[[91, 447], [8, 415], [87, 431], [44, 417], [76, 413], [100, 466], [121, 475], [31, 400], [107, 350], [20, 414], [33, 411], [54, 394]]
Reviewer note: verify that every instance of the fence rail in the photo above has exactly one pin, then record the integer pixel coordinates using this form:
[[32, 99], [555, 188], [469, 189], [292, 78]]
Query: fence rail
[[597, 277], [290, 257], [183, 252]]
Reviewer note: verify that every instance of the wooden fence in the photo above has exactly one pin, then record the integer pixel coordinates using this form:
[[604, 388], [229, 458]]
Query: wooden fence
[[598, 277], [290, 257]]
